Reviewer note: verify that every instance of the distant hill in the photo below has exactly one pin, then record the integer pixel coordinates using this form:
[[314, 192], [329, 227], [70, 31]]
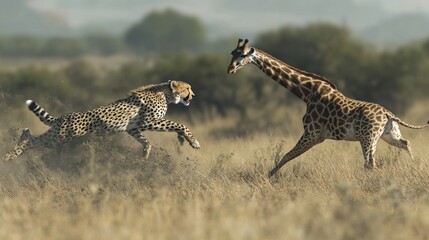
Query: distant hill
[[222, 17], [368, 19], [398, 30], [17, 18]]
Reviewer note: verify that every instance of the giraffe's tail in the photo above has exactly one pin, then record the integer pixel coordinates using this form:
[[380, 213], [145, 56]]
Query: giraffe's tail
[[41, 113], [398, 120]]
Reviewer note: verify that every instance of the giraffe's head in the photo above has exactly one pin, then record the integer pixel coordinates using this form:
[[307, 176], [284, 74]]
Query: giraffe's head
[[241, 55]]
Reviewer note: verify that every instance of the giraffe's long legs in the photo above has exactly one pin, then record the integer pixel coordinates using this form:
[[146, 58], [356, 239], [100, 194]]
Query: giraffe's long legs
[[368, 143], [368, 149], [392, 135], [400, 143], [307, 141]]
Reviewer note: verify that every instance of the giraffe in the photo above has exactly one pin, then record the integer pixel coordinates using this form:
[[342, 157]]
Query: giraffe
[[329, 114]]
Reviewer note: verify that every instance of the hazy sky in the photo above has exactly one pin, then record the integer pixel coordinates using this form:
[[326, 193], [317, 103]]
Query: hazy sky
[[401, 6], [383, 22], [230, 16]]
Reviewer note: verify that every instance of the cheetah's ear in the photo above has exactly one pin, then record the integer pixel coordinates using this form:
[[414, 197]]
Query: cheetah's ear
[[173, 84]]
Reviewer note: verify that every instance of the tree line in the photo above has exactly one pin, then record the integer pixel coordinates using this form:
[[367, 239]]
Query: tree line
[[395, 78]]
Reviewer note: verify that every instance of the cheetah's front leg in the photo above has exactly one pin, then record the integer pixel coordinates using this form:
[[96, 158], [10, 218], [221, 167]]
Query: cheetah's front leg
[[181, 139], [164, 125]]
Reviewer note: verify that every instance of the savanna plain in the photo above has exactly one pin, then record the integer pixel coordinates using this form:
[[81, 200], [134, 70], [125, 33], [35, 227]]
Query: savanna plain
[[98, 187]]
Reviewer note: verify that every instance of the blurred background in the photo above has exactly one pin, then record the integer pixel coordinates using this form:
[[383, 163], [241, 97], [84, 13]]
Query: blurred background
[[74, 55]]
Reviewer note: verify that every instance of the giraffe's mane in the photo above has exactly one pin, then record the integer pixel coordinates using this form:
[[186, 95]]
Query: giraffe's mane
[[308, 74]]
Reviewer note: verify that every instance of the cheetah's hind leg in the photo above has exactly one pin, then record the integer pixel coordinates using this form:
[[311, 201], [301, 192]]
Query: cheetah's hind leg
[[24, 143], [138, 135]]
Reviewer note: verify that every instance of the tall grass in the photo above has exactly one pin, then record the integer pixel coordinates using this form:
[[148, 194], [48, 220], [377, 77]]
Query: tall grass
[[98, 187]]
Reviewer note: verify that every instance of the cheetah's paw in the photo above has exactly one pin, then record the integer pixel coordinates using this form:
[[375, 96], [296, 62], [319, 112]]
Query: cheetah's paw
[[195, 144]]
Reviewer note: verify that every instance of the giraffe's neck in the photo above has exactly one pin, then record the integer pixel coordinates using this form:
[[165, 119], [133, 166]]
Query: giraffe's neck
[[302, 84]]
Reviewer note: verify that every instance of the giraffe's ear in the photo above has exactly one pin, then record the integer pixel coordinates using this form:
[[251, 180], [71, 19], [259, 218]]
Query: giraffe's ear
[[248, 52]]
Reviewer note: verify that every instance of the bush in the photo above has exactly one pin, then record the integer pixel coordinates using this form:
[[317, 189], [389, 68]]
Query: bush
[[166, 31], [36, 84]]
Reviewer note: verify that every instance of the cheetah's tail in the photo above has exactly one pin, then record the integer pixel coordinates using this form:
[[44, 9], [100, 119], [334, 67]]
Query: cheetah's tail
[[396, 119], [44, 116]]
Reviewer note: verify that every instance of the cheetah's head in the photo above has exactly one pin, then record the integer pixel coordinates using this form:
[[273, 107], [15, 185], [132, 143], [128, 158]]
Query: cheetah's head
[[241, 56], [182, 92]]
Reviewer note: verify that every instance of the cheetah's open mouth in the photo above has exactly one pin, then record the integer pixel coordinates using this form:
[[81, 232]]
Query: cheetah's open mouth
[[186, 101]]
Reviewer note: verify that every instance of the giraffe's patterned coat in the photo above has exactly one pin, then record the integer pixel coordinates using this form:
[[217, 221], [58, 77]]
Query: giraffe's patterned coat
[[330, 114]]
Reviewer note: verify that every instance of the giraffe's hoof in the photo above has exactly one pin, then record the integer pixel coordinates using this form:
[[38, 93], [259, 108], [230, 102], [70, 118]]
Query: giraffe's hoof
[[272, 172], [369, 166]]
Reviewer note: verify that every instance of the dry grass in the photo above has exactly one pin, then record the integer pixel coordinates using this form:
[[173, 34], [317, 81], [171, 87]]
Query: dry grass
[[99, 188]]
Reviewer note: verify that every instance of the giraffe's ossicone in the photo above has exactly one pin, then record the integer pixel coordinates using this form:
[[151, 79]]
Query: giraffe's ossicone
[[330, 114]]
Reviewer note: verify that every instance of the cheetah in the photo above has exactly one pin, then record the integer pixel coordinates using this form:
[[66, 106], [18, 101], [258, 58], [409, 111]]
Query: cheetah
[[143, 110]]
